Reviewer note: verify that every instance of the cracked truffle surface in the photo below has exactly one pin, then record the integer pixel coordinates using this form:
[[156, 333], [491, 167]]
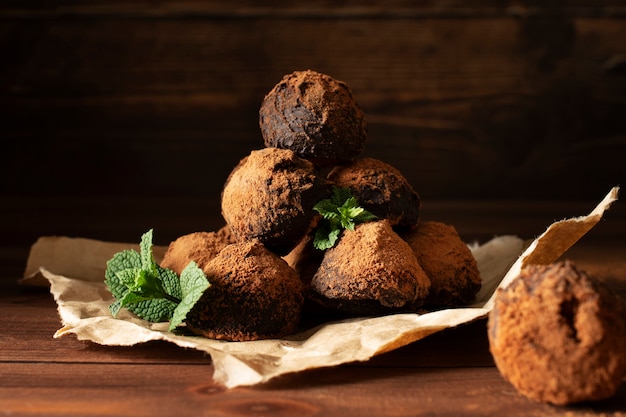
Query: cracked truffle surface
[[314, 115], [370, 270], [558, 335], [379, 188], [253, 295], [270, 196]]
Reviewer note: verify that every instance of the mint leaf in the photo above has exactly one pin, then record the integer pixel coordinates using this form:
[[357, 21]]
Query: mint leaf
[[341, 211], [327, 209], [193, 283], [153, 293], [364, 216], [145, 252], [325, 237], [115, 308], [121, 261], [146, 296], [154, 310]]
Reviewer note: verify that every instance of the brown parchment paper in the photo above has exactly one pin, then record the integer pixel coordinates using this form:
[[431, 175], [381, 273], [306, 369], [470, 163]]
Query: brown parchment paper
[[74, 269]]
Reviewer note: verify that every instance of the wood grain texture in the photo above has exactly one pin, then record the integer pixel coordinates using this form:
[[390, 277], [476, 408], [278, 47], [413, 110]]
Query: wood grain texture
[[493, 100]]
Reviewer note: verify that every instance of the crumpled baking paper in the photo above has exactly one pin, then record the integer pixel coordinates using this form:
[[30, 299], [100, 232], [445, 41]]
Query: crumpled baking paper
[[74, 269]]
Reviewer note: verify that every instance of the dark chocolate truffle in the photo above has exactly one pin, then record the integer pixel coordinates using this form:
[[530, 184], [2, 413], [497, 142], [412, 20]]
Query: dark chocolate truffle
[[253, 295], [448, 262], [370, 271], [314, 115], [558, 335], [381, 189], [199, 247], [270, 196]]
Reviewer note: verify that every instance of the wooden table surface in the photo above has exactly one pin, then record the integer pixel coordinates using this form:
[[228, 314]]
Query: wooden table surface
[[450, 373]]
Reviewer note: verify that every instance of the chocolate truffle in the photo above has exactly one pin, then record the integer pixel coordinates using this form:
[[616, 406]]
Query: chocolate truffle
[[305, 259], [448, 262], [270, 196], [315, 116], [558, 335], [253, 295], [199, 247], [370, 271], [379, 188]]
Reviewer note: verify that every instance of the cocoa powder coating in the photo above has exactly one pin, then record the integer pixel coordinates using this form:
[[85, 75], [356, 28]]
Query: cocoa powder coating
[[314, 115], [370, 270], [379, 188], [448, 262], [558, 335], [200, 247], [305, 259], [270, 196], [253, 295]]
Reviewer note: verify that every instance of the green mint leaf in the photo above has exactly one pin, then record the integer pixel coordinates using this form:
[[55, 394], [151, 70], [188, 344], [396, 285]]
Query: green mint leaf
[[155, 310], [365, 216], [151, 292], [333, 236], [341, 211], [170, 283], [322, 239], [121, 261], [326, 208], [140, 285], [326, 239], [347, 224], [193, 283], [115, 308], [145, 251], [145, 285], [131, 298]]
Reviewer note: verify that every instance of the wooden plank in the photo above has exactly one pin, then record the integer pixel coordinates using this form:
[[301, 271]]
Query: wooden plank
[[226, 63], [347, 9], [165, 390], [216, 63], [507, 106]]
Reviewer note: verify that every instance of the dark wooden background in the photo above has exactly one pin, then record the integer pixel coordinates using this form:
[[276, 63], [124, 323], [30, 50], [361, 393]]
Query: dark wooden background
[[119, 116]]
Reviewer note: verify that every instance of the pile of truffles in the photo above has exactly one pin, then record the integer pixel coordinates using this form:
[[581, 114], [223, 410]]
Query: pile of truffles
[[264, 272]]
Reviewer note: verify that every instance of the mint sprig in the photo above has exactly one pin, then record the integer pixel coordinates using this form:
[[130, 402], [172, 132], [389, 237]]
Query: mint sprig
[[341, 211], [153, 293]]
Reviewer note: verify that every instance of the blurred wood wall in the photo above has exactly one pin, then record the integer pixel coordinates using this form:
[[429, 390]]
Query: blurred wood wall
[[152, 103]]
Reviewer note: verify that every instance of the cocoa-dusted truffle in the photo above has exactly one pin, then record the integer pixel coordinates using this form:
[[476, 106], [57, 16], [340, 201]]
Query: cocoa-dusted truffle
[[381, 189], [558, 335], [305, 259], [200, 247], [253, 295], [448, 262], [370, 271], [314, 115], [270, 196]]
